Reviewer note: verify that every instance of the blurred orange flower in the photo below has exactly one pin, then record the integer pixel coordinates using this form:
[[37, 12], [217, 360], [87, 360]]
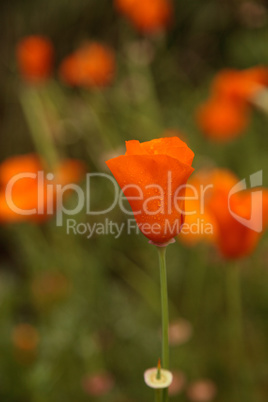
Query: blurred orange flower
[[240, 85], [152, 175], [221, 119], [29, 191], [147, 15], [92, 65], [227, 213], [35, 56], [69, 70], [25, 337], [226, 114]]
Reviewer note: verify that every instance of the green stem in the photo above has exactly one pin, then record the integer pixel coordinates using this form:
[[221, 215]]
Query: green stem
[[164, 309], [158, 395], [102, 117], [143, 284], [234, 296], [241, 375], [39, 128]]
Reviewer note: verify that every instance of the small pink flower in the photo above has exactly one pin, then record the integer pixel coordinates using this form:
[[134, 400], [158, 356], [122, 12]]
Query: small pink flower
[[177, 384], [98, 384], [179, 332], [202, 391]]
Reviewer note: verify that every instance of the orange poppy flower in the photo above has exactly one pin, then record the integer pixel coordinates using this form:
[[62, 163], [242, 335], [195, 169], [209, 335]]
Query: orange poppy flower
[[235, 225], [221, 119], [25, 337], [240, 85], [35, 58], [30, 189], [199, 223], [225, 115], [69, 70], [235, 240], [147, 15], [93, 65], [152, 176]]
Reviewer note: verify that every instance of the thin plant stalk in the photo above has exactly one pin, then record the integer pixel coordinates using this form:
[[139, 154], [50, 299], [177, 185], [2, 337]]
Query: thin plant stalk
[[38, 126], [158, 395], [241, 372], [234, 297], [164, 310]]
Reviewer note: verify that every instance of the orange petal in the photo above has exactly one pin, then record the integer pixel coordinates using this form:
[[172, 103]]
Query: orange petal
[[156, 206], [134, 147], [171, 146], [265, 208]]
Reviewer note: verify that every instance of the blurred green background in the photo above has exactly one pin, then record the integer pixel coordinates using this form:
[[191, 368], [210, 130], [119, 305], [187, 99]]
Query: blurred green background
[[93, 304]]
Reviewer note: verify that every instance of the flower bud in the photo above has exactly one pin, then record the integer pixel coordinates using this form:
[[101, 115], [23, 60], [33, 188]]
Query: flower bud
[[153, 381]]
